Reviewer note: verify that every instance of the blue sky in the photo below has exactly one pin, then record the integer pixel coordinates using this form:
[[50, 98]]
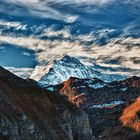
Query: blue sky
[[14, 56], [104, 32]]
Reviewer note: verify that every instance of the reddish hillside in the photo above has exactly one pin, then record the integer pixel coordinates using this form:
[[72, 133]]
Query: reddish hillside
[[70, 91], [131, 116]]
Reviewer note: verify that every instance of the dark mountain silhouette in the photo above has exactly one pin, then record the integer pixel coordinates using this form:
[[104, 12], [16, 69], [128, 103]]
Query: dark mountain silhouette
[[29, 112]]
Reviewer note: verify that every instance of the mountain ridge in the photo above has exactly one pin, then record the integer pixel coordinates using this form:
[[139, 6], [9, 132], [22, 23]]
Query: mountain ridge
[[60, 70], [113, 109], [30, 112]]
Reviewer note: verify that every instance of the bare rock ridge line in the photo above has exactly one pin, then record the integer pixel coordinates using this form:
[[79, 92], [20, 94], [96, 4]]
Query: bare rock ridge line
[[30, 112]]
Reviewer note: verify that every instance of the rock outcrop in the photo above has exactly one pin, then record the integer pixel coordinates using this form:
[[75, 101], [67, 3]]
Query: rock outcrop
[[28, 112]]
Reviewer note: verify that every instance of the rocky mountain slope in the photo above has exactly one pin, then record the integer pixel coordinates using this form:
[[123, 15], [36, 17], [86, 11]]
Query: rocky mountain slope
[[120, 122], [107, 105], [60, 70], [28, 112]]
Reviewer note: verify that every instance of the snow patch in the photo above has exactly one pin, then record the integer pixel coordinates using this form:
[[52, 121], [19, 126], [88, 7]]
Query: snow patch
[[124, 89], [97, 85], [108, 104]]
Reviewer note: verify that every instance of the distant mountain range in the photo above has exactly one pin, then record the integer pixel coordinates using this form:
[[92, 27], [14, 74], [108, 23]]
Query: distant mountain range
[[113, 108]]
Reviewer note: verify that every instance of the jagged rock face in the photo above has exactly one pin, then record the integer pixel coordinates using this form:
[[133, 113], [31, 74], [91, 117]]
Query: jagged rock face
[[29, 112], [60, 70]]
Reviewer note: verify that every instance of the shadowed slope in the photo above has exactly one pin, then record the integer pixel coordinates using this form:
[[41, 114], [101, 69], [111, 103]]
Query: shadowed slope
[[29, 112]]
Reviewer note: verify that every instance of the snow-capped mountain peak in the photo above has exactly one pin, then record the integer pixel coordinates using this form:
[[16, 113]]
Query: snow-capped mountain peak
[[68, 60], [62, 69]]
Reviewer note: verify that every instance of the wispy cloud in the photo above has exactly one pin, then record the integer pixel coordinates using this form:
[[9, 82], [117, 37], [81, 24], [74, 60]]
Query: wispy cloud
[[26, 54], [42, 9], [9, 25], [22, 72]]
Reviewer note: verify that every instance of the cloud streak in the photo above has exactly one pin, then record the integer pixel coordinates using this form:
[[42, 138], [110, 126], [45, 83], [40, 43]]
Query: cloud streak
[[42, 9], [21, 72]]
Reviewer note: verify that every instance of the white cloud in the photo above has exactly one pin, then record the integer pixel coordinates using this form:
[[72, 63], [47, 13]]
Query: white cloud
[[71, 19], [53, 8], [47, 50], [116, 48], [51, 32], [21, 72], [42, 9], [11, 24]]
